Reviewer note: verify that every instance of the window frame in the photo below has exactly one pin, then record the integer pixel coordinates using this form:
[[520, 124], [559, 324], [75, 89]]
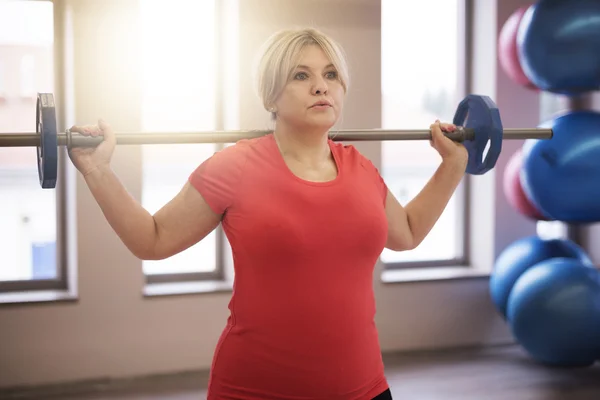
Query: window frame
[[61, 282], [463, 191]]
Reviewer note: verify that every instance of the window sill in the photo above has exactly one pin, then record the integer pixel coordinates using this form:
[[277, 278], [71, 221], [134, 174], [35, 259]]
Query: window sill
[[410, 275], [38, 296], [186, 288]]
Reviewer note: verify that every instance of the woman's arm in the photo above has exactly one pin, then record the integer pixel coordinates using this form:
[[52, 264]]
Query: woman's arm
[[409, 226], [181, 223]]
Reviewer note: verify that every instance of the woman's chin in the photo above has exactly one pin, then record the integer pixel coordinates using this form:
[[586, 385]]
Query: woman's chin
[[322, 122]]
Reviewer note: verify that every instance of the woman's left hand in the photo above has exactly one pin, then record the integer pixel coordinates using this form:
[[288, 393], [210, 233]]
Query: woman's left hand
[[448, 149]]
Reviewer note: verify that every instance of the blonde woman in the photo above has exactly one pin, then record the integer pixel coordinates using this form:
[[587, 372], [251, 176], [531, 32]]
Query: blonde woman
[[307, 219]]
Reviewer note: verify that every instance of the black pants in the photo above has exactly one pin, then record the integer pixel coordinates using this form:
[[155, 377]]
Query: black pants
[[387, 395]]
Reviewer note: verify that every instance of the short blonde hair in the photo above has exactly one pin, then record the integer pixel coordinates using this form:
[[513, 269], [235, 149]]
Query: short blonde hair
[[280, 56]]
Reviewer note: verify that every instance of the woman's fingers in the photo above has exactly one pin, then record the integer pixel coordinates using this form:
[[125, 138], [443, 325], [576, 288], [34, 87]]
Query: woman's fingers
[[436, 129], [86, 130], [107, 132], [446, 127]]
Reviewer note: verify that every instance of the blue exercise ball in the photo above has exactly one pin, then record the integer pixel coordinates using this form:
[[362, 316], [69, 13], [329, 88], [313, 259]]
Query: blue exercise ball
[[554, 309], [523, 254], [558, 174], [559, 45]]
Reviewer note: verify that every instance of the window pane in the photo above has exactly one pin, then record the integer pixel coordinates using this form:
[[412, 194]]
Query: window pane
[[27, 73], [179, 95], [27, 213], [2, 81], [419, 85]]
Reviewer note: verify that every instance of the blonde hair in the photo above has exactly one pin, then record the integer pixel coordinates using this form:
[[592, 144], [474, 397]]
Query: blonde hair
[[280, 56]]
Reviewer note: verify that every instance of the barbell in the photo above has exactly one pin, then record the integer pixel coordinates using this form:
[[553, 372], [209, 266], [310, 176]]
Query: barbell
[[477, 118]]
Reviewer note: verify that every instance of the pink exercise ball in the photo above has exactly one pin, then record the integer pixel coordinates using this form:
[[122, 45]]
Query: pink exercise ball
[[513, 191], [507, 49]]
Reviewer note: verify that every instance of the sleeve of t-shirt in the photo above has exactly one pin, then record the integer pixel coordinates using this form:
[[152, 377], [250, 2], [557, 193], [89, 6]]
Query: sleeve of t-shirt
[[380, 184], [218, 178]]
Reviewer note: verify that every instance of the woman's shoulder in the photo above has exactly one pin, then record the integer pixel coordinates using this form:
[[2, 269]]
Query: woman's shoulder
[[254, 141], [351, 158], [348, 153], [219, 176], [240, 149]]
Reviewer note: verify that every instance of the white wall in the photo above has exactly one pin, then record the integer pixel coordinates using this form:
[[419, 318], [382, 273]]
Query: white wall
[[112, 330]]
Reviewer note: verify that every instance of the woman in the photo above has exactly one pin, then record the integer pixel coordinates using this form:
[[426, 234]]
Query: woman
[[307, 219]]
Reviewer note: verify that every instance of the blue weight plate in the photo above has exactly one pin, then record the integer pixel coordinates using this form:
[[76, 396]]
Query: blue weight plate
[[481, 114], [47, 152]]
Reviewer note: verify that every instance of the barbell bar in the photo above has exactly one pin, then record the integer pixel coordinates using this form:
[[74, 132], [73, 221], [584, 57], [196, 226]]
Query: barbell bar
[[70, 140], [477, 118]]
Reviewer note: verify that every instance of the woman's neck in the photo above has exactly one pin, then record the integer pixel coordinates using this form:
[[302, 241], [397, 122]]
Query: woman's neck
[[310, 147]]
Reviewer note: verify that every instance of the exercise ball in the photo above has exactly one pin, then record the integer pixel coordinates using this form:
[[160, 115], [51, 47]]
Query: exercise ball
[[554, 309], [513, 190], [559, 45], [558, 174], [521, 255], [508, 54]]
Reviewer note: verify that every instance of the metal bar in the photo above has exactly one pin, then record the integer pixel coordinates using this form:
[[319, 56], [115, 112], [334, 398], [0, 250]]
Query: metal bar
[[32, 139], [526, 133], [19, 140]]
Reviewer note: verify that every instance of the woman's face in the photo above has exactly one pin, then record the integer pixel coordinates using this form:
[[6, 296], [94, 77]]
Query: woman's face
[[314, 97]]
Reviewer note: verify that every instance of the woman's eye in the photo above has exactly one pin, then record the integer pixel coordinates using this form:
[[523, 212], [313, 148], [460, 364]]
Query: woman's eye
[[300, 75], [304, 75]]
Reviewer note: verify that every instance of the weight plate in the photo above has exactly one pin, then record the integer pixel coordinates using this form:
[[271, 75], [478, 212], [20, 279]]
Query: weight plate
[[47, 152], [481, 114]]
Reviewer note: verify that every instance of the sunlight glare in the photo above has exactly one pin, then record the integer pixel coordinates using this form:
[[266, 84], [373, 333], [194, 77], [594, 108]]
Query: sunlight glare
[[178, 64]]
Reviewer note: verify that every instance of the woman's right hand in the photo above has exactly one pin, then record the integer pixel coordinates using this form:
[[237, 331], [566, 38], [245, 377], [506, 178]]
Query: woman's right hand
[[89, 159]]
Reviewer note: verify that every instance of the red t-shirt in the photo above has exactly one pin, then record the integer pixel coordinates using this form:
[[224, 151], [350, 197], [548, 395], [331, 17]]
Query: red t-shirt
[[301, 322]]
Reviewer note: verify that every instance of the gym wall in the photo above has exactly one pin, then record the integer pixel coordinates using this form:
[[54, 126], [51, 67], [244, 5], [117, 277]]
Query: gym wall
[[113, 331]]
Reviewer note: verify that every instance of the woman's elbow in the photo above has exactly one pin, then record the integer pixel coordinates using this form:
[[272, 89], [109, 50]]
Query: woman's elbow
[[146, 254], [149, 252], [401, 243]]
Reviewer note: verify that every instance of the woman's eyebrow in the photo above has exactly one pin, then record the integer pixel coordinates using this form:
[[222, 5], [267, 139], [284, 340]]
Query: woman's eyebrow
[[307, 67]]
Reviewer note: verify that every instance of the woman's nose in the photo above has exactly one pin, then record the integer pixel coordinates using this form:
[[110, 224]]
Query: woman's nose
[[320, 86]]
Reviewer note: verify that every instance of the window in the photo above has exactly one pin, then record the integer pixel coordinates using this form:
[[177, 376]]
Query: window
[[27, 73], [181, 92], [422, 82], [2, 80], [28, 215]]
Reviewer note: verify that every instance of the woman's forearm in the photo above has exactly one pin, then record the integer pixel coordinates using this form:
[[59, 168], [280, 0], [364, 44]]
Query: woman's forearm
[[134, 225], [427, 207]]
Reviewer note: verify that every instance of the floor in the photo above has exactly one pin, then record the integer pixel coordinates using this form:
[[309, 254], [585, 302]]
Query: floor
[[489, 374]]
